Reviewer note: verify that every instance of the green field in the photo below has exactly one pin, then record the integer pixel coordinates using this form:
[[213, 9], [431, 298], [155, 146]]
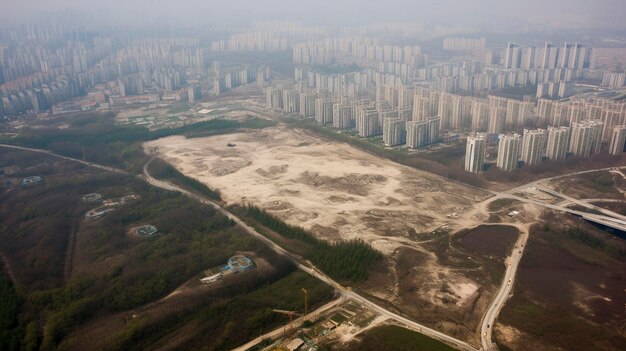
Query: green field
[[394, 338]]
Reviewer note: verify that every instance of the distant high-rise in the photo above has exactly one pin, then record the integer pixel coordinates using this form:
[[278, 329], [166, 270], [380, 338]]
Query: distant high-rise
[[533, 146], [307, 104], [274, 98], [324, 111], [475, 154], [394, 131], [422, 133], [618, 139], [497, 118], [586, 138], [421, 108], [508, 152], [558, 141], [194, 93], [367, 122], [480, 115], [291, 101], [512, 56], [342, 116]]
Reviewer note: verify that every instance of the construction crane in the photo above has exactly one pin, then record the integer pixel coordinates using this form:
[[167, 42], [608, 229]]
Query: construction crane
[[290, 314]]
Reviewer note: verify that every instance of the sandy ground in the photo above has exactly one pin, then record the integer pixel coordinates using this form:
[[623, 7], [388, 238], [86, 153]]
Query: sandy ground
[[339, 193], [332, 189]]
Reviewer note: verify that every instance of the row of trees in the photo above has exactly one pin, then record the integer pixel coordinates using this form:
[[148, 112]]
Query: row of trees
[[98, 139], [344, 260], [160, 169]]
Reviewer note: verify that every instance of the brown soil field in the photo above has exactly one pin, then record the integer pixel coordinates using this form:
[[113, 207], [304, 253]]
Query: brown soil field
[[489, 240], [332, 189], [568, 295], [340, 193], [617, 207], [596, 185]]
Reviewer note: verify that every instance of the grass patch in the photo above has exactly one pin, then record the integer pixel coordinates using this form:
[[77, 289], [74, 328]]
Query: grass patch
[[391, 337], [556, 326], [339, 318], [501, 204]]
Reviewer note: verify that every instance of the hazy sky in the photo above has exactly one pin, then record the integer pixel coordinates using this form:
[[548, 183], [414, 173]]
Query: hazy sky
[[484, 13]]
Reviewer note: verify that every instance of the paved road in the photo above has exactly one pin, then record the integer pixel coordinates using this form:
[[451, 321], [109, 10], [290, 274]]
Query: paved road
[[91, 164], [312, 270], [582, 203], [486, 328], [488, 319], [276, 333]]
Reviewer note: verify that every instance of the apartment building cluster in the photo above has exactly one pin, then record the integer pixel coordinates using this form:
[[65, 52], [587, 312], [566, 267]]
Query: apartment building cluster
[[555, 143], [574, 56], [609, 112], [464, 44], [255, 41], [34, 76], [269, 36], [367, 116], [391, 59], [234, 76]]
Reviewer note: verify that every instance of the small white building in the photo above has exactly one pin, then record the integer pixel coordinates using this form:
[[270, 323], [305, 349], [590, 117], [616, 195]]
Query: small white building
[[212, 278]]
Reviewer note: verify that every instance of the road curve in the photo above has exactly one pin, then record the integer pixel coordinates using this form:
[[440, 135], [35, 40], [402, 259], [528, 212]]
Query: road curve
[[512, 263], [490, 315], [311, 269], [295, 324]]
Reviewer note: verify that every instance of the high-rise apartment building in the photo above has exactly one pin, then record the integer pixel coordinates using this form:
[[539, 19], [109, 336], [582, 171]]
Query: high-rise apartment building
[[194, 93], [475, 154], [497, 117], [324, 111], [558, 141], [533, 146], [421, 133], [618, 139], [512, 56], [421, 108], [508, 152], [291, 101], [307, 104], [367, 122], [274, 98], [342, 116], [586, 138], [394, 131]]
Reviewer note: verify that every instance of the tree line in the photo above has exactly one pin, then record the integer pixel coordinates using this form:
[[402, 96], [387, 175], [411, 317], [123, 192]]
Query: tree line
[[98, 139], [344, 260]]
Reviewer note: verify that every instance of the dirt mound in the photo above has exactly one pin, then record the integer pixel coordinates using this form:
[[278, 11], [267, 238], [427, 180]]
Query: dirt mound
[[229, 165], [351, 183]]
